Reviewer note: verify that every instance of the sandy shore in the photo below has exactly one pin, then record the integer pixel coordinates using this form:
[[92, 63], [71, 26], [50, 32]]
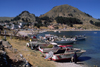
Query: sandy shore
[[69, 64]]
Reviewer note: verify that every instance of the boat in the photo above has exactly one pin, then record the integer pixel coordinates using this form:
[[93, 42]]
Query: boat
[[46, 50], [80, 37], [65, 52], [55, 30], [35, 44], [65, 56], [59, 31], [48, 37], [66, 41]]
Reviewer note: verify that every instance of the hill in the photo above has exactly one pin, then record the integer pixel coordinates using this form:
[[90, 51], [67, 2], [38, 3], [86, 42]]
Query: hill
[[25, 16], [72, 12]]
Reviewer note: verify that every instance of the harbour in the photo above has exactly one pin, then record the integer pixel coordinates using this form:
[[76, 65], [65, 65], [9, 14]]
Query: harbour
[[91, 45]]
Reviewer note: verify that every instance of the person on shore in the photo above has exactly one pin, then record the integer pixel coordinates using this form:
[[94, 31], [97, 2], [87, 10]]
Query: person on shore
[[64, 36], [11, 36], [30, 40], [72, 59], [0, 31], [5, 38], [4, 32], [75, 57]]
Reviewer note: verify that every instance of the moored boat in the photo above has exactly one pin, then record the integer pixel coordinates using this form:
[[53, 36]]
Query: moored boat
[[80, 37], [62, 53], [46, 50], [66, 41]]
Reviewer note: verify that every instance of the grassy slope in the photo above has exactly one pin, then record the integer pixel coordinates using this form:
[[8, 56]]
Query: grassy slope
[[32, 56]]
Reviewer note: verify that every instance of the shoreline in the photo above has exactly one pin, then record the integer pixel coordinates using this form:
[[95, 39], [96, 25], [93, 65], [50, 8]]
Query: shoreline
[[57, 30], [26, 32], [74, 30], [69, 64]]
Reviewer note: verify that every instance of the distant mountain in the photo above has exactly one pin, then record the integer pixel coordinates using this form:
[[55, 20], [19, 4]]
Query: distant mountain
[[5, 18], [69, 11], [25, 16]]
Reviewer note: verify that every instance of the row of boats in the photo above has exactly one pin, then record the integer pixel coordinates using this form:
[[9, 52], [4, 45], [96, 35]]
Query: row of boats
[[57, 52], [64, 40]]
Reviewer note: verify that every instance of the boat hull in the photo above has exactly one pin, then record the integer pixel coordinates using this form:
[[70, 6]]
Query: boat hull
[[65, 42], [60, 57], [46, 50], [80, 38]]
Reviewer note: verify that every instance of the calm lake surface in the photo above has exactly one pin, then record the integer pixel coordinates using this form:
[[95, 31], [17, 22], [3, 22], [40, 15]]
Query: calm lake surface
[[91, 45]]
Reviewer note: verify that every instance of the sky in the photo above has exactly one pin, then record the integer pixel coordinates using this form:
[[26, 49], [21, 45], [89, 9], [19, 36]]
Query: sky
[[12, 8]]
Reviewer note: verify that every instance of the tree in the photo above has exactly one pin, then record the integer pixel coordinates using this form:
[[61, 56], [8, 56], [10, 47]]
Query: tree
[[68, 21], [16, 18], [23, 19], [45, 18], [38, 25], [88, 15], [7, 21], [91, 22], [97, 23], [70, 15]]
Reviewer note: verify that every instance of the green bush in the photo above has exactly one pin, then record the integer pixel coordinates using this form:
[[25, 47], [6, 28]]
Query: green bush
[[68, 21], [88, 15], [97, 23], [91, 22], [50, 46], [4, 39]]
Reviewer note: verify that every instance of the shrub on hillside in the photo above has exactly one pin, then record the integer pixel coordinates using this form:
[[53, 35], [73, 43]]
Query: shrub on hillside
[[68, 21]]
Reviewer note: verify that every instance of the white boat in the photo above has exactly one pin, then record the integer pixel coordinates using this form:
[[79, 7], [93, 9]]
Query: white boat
[[55, 30], [59, 31], [66, 41], [46, 50], [81, 37], [66, 56], [48, 37]]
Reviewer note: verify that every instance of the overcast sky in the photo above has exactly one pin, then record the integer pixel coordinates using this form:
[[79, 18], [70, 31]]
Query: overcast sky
[[12, 8]]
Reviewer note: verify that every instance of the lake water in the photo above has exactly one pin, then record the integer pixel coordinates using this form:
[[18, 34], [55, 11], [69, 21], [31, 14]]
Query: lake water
[[91, 45]]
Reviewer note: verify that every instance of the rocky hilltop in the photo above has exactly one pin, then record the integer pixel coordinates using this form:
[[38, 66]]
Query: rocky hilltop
[[25, 16], [69, 11]]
